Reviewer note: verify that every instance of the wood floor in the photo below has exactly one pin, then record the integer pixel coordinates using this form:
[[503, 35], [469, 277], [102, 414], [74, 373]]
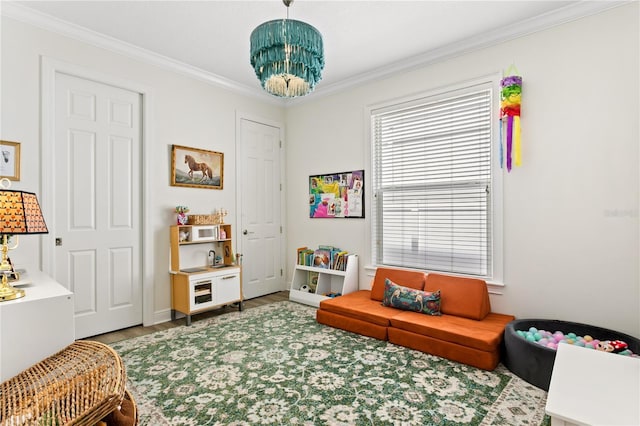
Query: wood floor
[[128, 333]]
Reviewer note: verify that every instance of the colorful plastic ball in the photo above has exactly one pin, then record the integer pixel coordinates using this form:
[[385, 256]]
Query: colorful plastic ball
[[589, 345], [543, 341], [580, 343], [533, 330], [571, 335], [588, 338], [552, 345], [569, 341], [530, 338]]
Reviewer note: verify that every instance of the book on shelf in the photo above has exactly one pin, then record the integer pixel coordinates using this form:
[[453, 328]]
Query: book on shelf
[[325, 257], [322, 258], [335, 254], [312, 281], [341, 261], [299, 255], [305, 256], [308, 257]]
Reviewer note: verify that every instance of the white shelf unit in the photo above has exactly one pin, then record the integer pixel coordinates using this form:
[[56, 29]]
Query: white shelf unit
[[329, 281], [204, 236], [198, 287]]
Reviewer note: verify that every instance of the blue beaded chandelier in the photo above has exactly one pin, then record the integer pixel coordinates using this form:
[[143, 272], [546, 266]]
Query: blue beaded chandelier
[[287, 56]]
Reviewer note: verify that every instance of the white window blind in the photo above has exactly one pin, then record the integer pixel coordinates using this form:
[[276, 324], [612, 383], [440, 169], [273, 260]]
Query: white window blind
[[432, 184]]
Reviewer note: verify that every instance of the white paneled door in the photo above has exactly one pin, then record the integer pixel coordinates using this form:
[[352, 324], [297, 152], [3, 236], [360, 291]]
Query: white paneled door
[[97, 202], [262, 270]]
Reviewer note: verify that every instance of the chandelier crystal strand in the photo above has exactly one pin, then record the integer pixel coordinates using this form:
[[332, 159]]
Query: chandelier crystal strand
[[287, 56]]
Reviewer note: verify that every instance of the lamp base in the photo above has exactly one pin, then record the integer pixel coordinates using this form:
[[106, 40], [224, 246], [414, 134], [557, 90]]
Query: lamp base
[[7, 291], [10, 293]]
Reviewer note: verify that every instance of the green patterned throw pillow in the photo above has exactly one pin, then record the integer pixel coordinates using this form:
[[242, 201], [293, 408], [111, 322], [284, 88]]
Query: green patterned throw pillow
[[410, 299]]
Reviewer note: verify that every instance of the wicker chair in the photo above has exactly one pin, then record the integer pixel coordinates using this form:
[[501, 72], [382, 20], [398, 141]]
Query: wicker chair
[[77, 386]]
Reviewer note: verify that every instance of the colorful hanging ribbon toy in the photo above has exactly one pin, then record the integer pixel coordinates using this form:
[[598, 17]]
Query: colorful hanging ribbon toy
[[510, 96]]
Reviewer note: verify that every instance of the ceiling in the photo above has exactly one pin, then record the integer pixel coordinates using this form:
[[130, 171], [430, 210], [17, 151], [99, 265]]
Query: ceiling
[[362, 39]]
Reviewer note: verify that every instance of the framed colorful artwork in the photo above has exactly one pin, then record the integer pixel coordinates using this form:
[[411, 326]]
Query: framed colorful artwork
[[196, 168], [337, 195]]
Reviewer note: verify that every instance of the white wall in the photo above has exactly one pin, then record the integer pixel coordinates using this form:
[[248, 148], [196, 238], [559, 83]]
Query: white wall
[[571, 211], [185, 111], [571, 234]]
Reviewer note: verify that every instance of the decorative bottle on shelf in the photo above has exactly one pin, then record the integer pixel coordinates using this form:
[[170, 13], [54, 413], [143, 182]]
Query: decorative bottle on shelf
[[223, 234]]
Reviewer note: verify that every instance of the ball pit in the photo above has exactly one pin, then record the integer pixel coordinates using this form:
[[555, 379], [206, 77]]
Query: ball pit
[[533, 361], [552, 340]]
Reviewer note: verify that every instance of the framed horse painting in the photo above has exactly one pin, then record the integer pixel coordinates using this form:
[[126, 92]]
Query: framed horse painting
[[196, 168]]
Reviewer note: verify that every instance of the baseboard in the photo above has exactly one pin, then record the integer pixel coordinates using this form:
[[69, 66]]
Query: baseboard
[[162, 316]]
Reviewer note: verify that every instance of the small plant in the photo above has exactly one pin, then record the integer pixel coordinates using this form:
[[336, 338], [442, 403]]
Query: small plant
[[182, 209]]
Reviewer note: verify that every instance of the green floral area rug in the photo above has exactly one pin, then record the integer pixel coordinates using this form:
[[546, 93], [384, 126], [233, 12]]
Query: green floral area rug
[[274, 365]]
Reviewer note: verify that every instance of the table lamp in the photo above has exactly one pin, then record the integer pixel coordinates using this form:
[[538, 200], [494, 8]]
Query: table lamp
[[19, 214]]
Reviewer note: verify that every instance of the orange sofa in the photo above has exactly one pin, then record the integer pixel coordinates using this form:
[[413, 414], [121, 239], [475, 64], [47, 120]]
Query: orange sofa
[[467, 331]]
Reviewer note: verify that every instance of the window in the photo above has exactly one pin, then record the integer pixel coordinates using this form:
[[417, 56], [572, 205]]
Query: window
[[432, 183]]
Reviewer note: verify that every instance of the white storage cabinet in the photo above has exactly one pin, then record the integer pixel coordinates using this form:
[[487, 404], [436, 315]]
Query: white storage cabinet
[[193, 293], [36, 326]]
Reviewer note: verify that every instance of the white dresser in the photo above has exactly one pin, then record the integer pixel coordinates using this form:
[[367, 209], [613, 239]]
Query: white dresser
[[35, 326]]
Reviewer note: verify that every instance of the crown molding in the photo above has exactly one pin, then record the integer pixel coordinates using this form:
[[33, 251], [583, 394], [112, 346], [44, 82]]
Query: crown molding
[[539, 23], [557, 17], [76, 32]]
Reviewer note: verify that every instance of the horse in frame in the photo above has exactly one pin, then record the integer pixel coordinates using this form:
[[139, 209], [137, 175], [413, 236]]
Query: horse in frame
[[194, 166]]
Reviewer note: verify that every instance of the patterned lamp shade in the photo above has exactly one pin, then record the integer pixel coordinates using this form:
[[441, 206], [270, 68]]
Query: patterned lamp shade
[[20, 213]]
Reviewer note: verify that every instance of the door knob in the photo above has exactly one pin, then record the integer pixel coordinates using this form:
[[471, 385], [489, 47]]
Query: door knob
[[245, 232]]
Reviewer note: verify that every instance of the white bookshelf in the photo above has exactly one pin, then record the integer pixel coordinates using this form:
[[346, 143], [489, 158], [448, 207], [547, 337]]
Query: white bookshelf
[[329, 281]]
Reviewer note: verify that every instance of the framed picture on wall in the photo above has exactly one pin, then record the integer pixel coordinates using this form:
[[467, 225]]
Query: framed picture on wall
[[10, 160], [337, 195], [196, 168]]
